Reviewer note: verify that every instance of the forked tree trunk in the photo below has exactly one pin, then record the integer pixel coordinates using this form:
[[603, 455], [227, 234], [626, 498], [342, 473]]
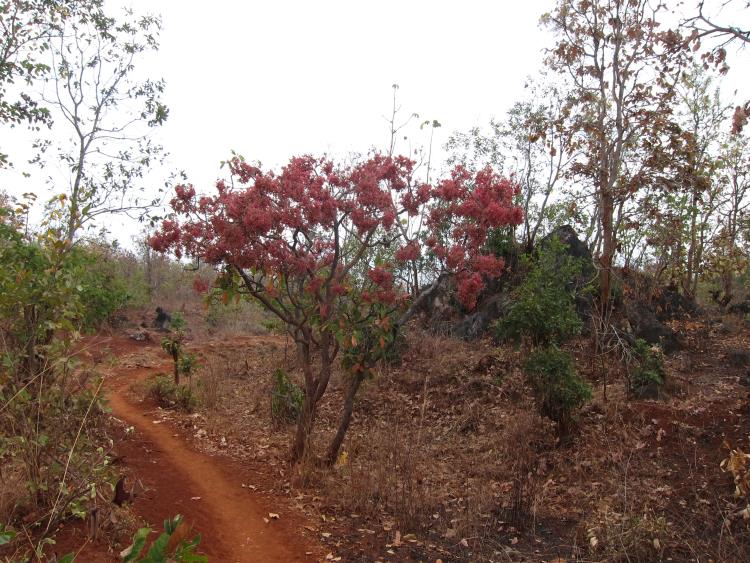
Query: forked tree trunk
[[346, 414], [315, 387], [346, 417]]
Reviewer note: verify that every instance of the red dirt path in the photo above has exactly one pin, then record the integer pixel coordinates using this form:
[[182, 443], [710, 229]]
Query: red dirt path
[[207, 490]]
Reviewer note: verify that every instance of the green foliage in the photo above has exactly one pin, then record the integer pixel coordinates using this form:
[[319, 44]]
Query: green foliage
[[543, 309], [271, 325], [162, 549], [557, 387], [369, 338], [101, 288], [178, 322], [6, 534], [50, 409], [187, 364], [501, 242], [647, 379], [286, 398], [39, 294], [184, 364], [170, 395]]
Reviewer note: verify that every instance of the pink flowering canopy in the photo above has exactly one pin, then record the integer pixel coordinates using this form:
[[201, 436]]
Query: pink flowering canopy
[[301, 239]]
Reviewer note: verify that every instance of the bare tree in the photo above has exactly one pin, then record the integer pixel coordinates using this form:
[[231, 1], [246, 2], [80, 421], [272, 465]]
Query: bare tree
[[95, 90], [25, 27], [622, 69], [711, 26]]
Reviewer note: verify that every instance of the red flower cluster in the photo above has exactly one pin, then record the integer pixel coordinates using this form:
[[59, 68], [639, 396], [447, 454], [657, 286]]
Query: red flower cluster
[[469, 207], [307, 224]]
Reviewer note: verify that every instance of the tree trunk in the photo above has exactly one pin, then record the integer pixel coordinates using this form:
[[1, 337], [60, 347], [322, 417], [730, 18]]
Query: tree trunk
[[304, 427], [728, 283], [346, 417], [691, 265], [176, 361], [608, 252]]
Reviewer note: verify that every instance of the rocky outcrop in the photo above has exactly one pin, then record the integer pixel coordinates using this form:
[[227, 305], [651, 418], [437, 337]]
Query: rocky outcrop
[[575, 247], [646, 325], [476, 324]]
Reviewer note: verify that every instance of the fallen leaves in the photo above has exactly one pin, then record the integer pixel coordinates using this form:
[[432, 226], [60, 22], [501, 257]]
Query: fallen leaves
[[738, 464]]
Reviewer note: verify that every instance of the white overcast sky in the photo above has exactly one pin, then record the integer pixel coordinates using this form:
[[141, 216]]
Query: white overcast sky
[[276, 78]]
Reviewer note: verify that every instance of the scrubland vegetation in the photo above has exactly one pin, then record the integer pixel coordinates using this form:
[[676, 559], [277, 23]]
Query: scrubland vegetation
[[538, 350]]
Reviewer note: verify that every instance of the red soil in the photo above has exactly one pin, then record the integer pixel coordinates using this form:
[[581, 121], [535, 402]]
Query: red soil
[[206, 489]]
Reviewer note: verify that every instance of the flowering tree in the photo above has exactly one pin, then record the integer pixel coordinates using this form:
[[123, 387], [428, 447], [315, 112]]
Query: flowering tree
[[308, 243]]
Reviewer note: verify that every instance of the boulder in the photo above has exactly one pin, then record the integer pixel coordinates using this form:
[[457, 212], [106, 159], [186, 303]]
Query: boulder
[[742, 308], [739, 357], [645, 324], [575, 246], [476, 324], [669, 303]]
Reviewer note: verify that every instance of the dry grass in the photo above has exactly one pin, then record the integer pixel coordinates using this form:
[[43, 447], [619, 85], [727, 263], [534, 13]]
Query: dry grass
[[384, 471], [214, 383], [12, 491], [448, 446]]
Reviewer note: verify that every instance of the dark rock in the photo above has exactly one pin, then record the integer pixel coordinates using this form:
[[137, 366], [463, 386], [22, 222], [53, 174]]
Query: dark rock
[[474, 325], [647, 390], [742, 308], [739, 357], [162, 319], [575, 246], [647, 326], [728, 326], [670, 304]]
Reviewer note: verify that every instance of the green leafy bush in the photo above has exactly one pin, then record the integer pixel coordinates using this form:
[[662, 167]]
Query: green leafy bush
[[51, 421], [170, 395], [286, 398], [543, 309], [184, 363], [164, 549], [647, 379], [557, 387], [187, 364], [501, 242], [101, 287]]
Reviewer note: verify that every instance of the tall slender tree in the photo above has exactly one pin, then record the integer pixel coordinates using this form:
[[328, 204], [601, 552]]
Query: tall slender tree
[[108, 110], [622, 67]]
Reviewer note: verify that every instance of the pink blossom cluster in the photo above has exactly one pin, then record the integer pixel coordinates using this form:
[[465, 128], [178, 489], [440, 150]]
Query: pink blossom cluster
[[311, 223]]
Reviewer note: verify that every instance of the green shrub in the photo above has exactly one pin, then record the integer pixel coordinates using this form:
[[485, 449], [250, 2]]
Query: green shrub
[[647, 379], [102, 288], [51, 430], [187, 364], [164, 549], [501, 242], [271, 325], [286, 398], [170, 395], [543, 309], [557, 387], [183, 363]]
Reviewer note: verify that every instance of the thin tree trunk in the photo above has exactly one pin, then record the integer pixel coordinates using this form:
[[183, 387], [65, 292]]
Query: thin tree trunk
[[346, 417], [608, 252], [176, 361], [314, 389], [304, 427]]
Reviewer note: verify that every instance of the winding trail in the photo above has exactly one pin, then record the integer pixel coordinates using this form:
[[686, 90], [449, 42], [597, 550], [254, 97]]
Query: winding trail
[[207, 490]]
